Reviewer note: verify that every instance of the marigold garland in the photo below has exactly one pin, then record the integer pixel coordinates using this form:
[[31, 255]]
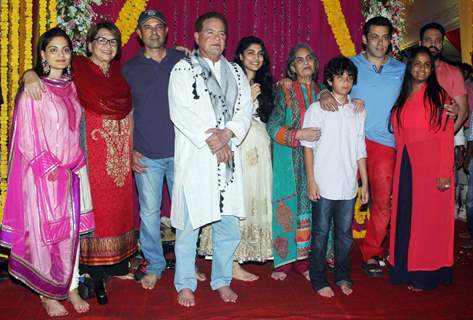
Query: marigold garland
[[337, 22], [4, 115], [128, 16], [28, 50], [52, 21], [42, 16], [14, 62]]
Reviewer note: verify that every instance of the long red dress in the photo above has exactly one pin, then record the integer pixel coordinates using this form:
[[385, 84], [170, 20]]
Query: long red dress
[[108, 147], [430, 153]]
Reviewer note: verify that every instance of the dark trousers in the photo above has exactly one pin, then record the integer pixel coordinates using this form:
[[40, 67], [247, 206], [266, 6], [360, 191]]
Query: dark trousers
[[323, 211]]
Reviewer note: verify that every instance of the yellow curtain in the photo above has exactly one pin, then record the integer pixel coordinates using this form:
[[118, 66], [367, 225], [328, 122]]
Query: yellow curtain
[[466, 29]]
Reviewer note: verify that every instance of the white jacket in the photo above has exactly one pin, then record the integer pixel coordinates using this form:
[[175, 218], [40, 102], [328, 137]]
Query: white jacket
[[195, 167]]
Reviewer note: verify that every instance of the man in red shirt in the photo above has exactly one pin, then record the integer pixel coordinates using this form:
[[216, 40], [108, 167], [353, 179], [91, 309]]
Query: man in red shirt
[[448, 76]]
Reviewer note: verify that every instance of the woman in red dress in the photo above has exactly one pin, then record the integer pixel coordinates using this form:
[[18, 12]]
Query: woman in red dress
[[422, 222], [106, 98]]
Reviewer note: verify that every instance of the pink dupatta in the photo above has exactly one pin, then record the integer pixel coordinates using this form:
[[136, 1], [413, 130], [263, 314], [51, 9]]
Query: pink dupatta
[[42, 219]]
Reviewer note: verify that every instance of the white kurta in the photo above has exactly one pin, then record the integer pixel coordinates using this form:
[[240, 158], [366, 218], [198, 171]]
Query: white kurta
[[195, 167]]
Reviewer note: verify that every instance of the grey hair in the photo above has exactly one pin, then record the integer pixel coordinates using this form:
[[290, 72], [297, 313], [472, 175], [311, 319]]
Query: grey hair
[[292, 58]]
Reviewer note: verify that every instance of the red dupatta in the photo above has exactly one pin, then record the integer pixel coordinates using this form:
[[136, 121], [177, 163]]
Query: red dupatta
[[109, 96]]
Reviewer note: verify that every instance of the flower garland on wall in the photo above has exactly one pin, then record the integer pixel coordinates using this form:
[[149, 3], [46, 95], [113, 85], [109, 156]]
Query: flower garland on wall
[[4, 114], [52, 11], [126, 21], [337, 22], [75, 17], [15, 57], [395, 11]]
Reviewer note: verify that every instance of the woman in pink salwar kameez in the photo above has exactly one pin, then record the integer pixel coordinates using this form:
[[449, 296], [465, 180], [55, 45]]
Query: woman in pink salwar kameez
[[42, 216]]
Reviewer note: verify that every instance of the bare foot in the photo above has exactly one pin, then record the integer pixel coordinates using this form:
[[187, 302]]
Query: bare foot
[[326, 292], [128, 276], [227, 294], [53, 307], [306, 275], [241, 274], [186, 298], [149, 281], [346, 289], [414, 289], [79, 304], [200, 275], [276, 275]]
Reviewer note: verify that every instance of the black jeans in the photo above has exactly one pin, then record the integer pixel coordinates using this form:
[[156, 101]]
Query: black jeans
[[323, 211]]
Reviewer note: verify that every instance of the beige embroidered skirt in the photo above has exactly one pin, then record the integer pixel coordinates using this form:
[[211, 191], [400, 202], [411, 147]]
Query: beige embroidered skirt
[[255, 230]]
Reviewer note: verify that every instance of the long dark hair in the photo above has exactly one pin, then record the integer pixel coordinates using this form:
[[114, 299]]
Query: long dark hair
[[262, 76], [435, 96], [43, 42]]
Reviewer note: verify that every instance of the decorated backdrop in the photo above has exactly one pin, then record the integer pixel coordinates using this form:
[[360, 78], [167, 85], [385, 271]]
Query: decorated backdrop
[[331, 27]]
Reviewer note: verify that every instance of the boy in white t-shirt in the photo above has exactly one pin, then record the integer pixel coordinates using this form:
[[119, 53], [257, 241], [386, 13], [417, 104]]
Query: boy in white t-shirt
[[331, 165]]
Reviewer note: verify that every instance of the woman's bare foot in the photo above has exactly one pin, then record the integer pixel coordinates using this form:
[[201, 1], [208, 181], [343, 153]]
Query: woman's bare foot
[[412, 288], [326, 292], [346, 289], [53, 307], [306, 275], [200, 276], [79, 304], [149, 281], [241, 274], [276, 275], [186, 298], [227, 294]]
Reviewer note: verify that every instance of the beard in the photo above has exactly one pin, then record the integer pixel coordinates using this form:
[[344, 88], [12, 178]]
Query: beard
[[435, 52]]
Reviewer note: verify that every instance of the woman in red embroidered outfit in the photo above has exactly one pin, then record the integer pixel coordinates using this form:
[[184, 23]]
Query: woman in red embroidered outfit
[[291, 206], [106, 98], [422, 223]]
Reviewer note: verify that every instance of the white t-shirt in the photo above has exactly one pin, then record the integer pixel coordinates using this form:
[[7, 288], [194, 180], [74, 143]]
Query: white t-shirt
[[341, 145]]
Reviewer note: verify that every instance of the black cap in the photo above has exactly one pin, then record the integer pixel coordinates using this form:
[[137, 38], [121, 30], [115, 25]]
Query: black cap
[[148, 14]]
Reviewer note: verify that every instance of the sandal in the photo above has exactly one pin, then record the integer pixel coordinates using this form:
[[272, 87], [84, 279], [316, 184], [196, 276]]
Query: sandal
[[373, 270]]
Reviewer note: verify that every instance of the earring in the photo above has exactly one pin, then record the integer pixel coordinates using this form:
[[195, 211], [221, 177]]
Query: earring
[[68, 71], [46, 68]]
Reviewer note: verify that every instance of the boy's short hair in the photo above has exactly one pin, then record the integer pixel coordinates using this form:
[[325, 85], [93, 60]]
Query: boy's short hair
[[338, 66]]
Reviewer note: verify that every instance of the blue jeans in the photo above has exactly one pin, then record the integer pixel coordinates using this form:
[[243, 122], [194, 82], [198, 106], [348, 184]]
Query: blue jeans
[[323, 211], [225, 240], [150, 189], [469, 200]]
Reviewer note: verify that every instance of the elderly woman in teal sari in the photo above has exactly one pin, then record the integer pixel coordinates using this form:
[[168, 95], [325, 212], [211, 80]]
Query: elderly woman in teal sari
[[291, 206]]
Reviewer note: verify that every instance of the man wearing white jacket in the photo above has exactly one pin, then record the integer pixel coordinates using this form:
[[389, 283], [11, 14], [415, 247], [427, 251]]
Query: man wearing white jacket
[[210, 106]]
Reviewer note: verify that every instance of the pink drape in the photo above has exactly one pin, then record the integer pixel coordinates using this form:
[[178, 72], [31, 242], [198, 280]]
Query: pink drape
[[280, 23]]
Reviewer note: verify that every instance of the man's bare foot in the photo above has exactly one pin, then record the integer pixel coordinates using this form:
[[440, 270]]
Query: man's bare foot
[[276, 275], [227, 294], [53, 307], [79, 304], [346, 289], [326, 292], [241, 274], [128, 276], [306, 275], [186, 298], [149, 281]]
